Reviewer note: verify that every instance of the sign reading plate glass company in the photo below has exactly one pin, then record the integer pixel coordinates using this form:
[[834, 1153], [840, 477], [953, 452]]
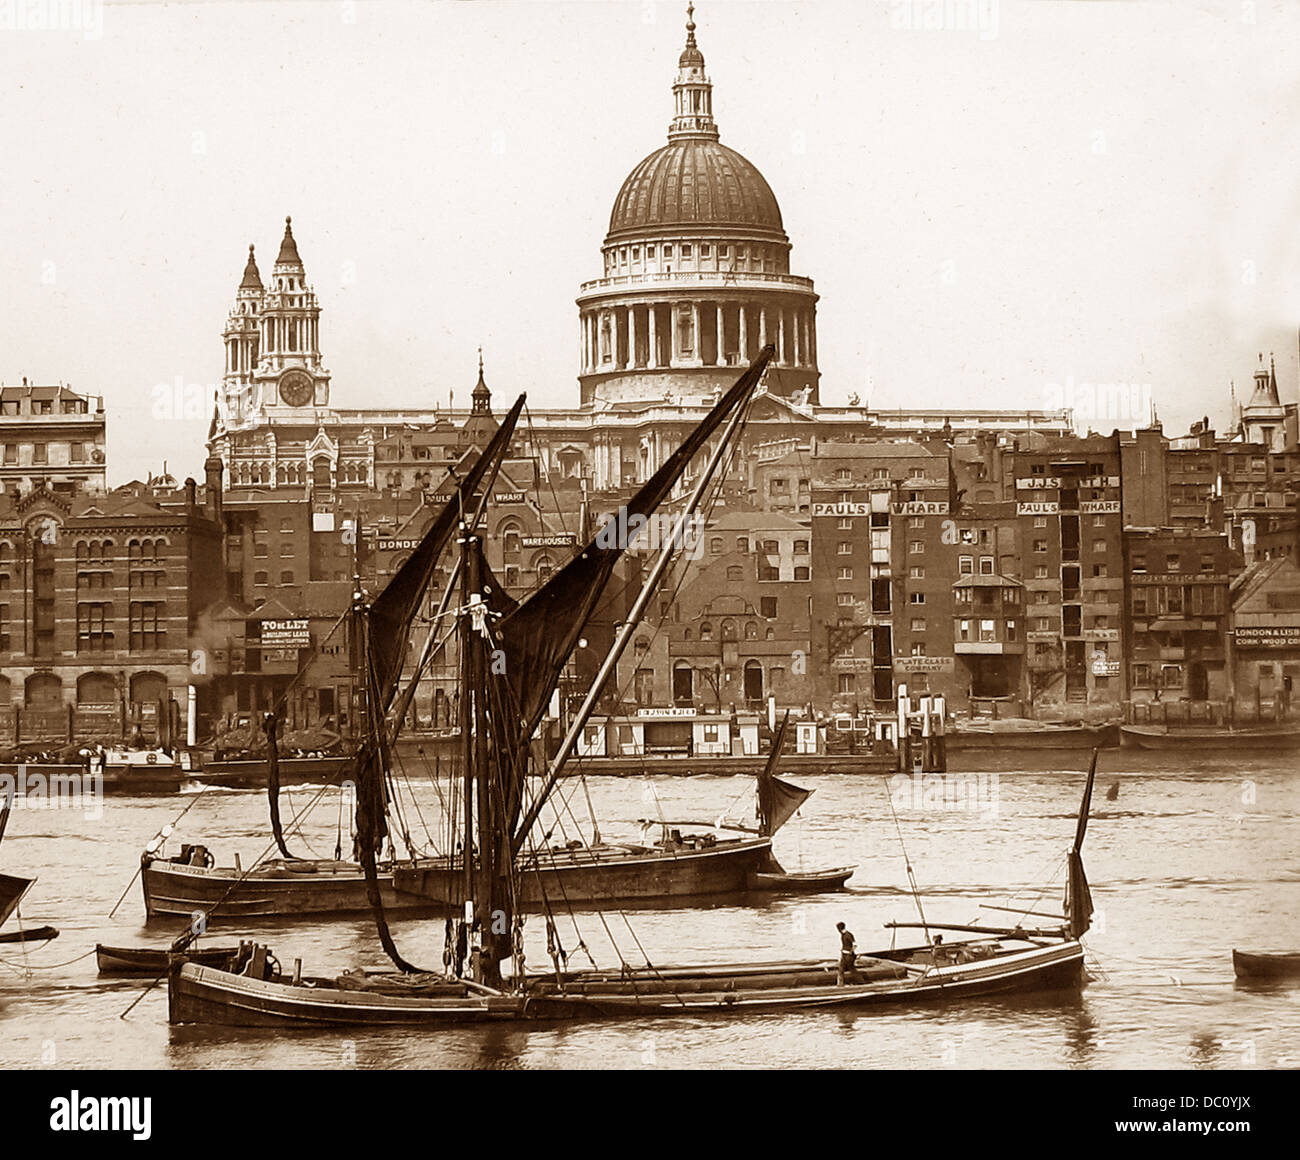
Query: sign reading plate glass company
[[564, 540], [1040, 508], [923, 664], [286, 634], [1268, 636]]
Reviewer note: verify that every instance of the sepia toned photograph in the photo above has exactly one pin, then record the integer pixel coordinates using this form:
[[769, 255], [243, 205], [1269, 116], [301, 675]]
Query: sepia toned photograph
[[627, 535]]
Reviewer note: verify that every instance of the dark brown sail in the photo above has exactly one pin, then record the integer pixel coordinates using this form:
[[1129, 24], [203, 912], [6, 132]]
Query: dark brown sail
[[777, 799], [394, 609], [1078, 897], [538, 637]]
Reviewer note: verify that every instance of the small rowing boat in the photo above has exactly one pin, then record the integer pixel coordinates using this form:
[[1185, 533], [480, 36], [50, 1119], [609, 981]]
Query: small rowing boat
[[1266, 964], [811, 882], [150, 961]]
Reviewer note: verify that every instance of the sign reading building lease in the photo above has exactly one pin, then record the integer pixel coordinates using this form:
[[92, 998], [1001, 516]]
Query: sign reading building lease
[[841, 509], [1099, 507], [923, 664], [286, 634], [920, 508], [1037, 508], [563, 540], [1268, 636]]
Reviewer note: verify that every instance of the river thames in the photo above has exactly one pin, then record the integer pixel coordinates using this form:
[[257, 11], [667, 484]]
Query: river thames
[[1184, 866]]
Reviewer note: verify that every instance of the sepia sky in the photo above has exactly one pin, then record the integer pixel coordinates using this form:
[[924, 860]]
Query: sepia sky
[[1069, 194]]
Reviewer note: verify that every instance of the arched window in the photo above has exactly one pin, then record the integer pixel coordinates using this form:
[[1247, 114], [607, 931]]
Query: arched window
[[148, 687], [751, 630], [286, 577], [261, 579], [96, 689], [706, 631], [753, 681], [545, 566], [43, 691], [715, 546], [510, 533], [735, 572], [729, 630]]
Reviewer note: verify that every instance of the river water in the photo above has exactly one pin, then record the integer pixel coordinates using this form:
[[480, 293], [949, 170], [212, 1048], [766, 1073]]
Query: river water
[[1185, 864]]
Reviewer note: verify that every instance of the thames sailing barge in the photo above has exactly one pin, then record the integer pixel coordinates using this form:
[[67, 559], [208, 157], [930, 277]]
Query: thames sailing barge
[[598, 873], [500, 707]]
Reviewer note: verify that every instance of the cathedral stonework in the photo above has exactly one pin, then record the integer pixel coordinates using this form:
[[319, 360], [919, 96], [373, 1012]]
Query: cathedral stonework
[[696, 271]]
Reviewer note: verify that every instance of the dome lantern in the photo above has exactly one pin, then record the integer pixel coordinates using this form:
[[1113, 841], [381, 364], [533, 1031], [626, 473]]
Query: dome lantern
[[692, 91]]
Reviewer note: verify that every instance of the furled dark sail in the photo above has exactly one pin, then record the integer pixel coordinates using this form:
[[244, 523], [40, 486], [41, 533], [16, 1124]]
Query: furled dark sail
[[1078, 898], [543, 631], [394, 609], [271, 725]]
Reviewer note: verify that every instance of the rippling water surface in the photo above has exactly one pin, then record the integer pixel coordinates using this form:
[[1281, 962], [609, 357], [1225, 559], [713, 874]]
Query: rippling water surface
[[1185, 864]]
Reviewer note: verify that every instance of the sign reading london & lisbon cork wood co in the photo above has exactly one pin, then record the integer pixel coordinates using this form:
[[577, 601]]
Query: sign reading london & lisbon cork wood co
[[1268, 636]]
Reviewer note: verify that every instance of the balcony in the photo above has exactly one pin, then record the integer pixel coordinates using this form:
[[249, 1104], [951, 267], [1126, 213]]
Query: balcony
[[710, 279]]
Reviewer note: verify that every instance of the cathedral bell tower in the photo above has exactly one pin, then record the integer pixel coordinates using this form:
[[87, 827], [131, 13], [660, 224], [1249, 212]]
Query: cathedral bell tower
[[288, 374], [242, 337]]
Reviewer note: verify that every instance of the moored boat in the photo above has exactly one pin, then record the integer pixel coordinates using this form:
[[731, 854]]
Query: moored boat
[[801, 882], [1262, 739], [1012, 735], [906, 976], [253, 772], [1266, 964], [190, 883], [152, 961]]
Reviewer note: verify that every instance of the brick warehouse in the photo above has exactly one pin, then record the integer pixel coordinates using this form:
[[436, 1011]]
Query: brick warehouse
[[98, 598]]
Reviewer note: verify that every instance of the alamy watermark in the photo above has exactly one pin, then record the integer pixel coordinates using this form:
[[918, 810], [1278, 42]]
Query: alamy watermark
[[642, 533], [34, 789], [929, 792], [1099, 405], [980, 16], [84, 16]]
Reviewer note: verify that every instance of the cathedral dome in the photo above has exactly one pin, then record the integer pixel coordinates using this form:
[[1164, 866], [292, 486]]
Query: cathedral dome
[[695, 182]]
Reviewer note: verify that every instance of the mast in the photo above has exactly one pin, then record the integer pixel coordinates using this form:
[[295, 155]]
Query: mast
[[624, 636]]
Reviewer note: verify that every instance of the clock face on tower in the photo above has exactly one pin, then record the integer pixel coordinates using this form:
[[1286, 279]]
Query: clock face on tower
[[297, 388]]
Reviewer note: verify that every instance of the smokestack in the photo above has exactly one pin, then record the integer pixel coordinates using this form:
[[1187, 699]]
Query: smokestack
[[212, 470], [191, 488]]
